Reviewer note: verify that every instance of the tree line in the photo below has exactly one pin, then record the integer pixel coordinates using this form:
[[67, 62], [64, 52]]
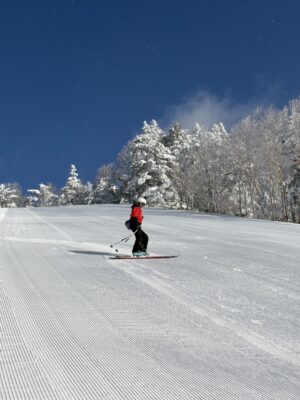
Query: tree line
[[253, 170]]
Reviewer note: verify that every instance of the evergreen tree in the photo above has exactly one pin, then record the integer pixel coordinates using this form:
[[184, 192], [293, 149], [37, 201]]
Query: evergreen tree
[[43, 197], [9, 195], [74, 192], [33, 198], [89, 193], [180, 143], [150, 166]]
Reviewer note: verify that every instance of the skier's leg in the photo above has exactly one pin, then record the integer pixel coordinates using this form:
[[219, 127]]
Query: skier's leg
[[145, 240], [138, 241]]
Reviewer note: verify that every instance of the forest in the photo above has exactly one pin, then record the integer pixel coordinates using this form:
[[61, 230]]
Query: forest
[[252, 170]]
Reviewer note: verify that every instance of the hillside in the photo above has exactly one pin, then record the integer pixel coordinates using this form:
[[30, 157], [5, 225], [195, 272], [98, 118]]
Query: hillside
[[221, 321]]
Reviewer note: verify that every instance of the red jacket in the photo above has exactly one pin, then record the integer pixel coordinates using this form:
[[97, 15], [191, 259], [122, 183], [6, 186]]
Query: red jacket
[[137, 213]]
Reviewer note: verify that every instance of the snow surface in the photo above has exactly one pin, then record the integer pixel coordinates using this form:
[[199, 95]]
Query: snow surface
[[222, 321]]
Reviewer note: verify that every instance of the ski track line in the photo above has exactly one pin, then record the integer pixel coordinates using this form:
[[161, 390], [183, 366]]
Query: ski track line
[[205, 238], [67, 243], [179, 297], [270, 280], [176, 392], [40, 219]]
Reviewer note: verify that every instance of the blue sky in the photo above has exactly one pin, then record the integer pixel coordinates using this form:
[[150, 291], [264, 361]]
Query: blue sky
[[78, 78]]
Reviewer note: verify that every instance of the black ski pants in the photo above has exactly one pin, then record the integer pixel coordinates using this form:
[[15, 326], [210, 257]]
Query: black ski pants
[[141, 241]]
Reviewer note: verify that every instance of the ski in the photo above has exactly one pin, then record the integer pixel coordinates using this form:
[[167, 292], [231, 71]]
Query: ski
[[122, 257]]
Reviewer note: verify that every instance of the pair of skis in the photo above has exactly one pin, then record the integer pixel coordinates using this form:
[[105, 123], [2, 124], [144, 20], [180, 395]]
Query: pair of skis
[[127, 257]]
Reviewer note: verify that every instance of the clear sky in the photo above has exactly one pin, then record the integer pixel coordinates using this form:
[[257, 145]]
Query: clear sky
[[79, 77]]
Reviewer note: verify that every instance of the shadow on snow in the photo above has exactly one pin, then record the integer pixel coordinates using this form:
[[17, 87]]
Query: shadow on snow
[[93, 253]]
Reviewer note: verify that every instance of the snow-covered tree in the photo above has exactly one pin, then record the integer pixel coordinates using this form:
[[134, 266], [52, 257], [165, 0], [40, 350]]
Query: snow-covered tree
[[177, 140], [105, 189], [45, 196], [89, 193], [292, 152], [74, 192], [33, 198], [260, 150], [254, 171], [149, 168], [209, 168], [10, 195], [180, 143], [272, 201]]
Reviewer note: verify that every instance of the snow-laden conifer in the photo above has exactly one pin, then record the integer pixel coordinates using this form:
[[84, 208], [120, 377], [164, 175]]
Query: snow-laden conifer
[[180, 143], [150, 166], [44, 196], [9, 195], [74, 192]]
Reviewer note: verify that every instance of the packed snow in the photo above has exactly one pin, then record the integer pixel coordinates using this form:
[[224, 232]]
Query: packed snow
[[221, 321]]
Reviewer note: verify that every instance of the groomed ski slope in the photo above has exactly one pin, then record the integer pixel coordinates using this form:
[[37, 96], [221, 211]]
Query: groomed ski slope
[[221, 321]]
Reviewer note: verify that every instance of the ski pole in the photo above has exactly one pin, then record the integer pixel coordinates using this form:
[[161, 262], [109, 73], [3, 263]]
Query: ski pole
[[125, 239]]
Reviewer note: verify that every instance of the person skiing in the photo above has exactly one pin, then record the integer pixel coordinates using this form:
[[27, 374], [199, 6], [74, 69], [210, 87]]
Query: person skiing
[[136, 219]]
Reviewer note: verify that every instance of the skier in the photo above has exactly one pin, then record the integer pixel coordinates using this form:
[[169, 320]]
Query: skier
[[136, 219]]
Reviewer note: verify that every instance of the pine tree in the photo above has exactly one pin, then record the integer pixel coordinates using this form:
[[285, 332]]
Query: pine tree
[[180, 142], [74, 192], [43, 197], [9, 195], [89, 193], [149, 168], [33, 199]]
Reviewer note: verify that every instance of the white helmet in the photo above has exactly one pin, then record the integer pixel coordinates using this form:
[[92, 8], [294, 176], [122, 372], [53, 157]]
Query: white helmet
[[141, 200]]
